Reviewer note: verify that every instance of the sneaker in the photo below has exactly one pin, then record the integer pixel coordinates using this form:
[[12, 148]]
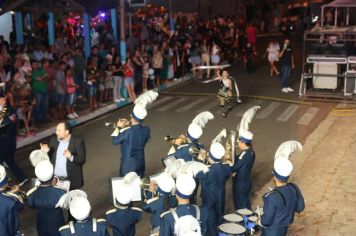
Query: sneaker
[[122, 99], [117, 100], [70, 116], [224, 114], [75, 114], [284, 90], [290, 89]]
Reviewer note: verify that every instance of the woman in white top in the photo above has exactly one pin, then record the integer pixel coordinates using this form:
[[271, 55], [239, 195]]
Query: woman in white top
[[273, 56], [225, 91]]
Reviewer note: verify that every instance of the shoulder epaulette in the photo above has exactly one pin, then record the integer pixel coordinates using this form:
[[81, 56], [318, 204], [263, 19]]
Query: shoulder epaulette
[[111, 211], [152, 200], [63, 227], [100, 220], [14, 196], [164, 213], [184, 145], [269, 193], [136, 209], [32, 190]]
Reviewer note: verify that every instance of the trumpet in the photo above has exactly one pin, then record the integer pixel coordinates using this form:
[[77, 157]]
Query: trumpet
[[126, 124], [19, 193], [176, 140], [3, 113]]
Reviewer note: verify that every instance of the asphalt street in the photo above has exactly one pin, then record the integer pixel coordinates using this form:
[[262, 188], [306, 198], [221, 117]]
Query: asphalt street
[[281, 117]]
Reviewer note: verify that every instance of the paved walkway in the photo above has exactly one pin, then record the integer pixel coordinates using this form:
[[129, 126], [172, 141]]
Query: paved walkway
[[325, 171]]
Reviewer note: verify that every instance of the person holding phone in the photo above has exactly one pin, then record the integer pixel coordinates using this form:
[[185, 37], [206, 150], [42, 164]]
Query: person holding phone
[[286, 61]]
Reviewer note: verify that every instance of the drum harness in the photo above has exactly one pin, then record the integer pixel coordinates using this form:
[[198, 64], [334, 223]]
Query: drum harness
[[72, 229], [175, 216], [282, 196]]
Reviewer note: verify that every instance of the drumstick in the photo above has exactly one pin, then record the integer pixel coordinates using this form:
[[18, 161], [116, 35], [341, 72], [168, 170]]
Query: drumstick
[[258, 212]]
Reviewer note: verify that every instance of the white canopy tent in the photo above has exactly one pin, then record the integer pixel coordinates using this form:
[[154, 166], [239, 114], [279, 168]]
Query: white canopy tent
[[338, 4]]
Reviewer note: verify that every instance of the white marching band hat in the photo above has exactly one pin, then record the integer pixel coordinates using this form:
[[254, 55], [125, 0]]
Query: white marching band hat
[[44, 171], [245, 135], [217, 151], [282, 168], [185, 185], [139, 112], [165, 183], [187, 226], [124, 194], [80, 208], [3, 178], [195, 129]]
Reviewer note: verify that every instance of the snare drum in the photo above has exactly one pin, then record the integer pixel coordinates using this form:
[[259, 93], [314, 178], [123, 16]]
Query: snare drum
[[231, 229], [233, 218], [252, 224], [244, 212]]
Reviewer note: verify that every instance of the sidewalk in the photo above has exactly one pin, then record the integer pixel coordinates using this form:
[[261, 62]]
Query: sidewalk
[[325, 172], [85, 115]]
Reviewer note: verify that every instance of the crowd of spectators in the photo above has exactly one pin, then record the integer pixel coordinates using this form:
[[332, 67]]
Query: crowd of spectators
[[44, 83]]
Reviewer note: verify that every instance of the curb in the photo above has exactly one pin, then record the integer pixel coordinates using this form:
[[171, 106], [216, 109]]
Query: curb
[[90, 116]]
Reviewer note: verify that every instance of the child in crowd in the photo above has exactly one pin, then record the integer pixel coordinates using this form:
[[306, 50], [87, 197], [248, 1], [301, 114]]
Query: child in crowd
[[145, 74], [109, 85]]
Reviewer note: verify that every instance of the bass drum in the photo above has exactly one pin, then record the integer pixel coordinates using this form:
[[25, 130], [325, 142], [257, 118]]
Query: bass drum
[[231, 229]]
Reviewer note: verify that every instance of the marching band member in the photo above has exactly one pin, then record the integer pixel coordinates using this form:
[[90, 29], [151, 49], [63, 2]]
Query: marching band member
[[285, 199], [44, 198], [159, 198], [85, 225], [195, 131], [123, 218], [8, 129], [185, 186], [225, 91], [10, 205], [241, 181], [213, 186], [134, 138]]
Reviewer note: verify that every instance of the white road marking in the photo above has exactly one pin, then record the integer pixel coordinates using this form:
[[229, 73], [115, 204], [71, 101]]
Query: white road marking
[[208, 106], [268, 110], [243, 108], [172, 104], [191, 105], [308, 116], [288, 113], [159, 102]]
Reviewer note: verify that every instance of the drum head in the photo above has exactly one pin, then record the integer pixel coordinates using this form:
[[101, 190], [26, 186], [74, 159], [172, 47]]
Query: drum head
[[244, 212], [232, 228], [252, 218], [233, 218]]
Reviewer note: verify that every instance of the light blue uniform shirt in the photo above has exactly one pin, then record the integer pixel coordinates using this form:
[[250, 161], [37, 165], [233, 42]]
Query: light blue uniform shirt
[[60, 169]]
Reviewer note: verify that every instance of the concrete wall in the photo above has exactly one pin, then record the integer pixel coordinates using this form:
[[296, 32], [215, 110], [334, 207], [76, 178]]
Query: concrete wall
[[6, 25]]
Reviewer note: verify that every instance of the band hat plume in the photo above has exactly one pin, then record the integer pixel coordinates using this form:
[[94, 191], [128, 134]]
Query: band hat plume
[[44, 170], [195, 129], [220, 136], [282, 169], [282, 165], [185, 185], [139, 112], [193, 168], [124, 194], [286, 149], [187, 226], [243, 128], [3, 178], [80, 208], [66, 199], [37, 156]]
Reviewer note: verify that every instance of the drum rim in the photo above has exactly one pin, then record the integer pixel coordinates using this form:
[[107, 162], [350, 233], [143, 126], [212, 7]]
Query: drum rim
[[235, 225], [244, 209], [235, 215]]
